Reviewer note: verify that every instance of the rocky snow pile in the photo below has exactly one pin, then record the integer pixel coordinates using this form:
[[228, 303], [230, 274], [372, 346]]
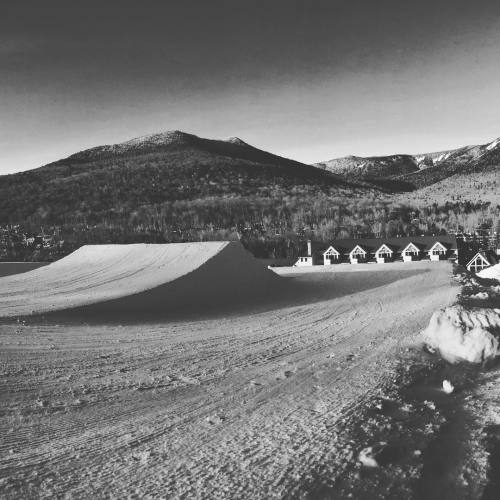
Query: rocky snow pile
[[461, 334]]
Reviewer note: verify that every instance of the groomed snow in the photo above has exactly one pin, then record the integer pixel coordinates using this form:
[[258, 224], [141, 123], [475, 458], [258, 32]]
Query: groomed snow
[[247, 405]]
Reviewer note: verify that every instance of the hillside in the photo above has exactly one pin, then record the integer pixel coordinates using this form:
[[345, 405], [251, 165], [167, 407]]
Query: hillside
[[371, 167], [174, 187], [449, 168], [118, 179], [472, 187], [465, 161]]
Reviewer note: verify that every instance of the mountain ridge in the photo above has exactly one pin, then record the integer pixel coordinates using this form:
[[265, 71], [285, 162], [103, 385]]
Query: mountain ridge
[[153, 142], [175, 186], [160, 168], [173, 140], [421, 169]]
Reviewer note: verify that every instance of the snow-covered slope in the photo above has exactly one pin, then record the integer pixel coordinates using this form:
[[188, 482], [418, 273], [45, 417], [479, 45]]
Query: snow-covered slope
[[376, 166], [420, 169]]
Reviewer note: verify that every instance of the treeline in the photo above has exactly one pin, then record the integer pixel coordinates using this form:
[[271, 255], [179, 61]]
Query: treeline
[[270, 227]]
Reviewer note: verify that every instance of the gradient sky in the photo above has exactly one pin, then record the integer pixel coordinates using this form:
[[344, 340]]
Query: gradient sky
[[310, 80]]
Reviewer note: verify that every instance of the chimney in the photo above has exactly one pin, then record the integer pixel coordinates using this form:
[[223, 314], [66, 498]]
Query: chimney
[[309, 248]]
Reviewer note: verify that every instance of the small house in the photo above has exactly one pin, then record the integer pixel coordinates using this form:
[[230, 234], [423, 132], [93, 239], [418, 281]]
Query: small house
[[383, 254], [410, 252], [438, 251], [306, 260], [358, 254], [481, 261], [331, 256]]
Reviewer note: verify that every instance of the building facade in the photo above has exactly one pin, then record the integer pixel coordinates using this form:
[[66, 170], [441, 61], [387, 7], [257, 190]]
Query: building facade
[[380, 250]]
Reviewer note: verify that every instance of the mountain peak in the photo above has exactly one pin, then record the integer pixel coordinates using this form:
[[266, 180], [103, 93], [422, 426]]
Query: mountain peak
[[170, 137], [236, 140], [493, 144], [143, 143]]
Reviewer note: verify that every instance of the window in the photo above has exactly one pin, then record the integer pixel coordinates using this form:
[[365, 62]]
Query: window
[[438, 249], [331, 254], [411, 250], [384, 252], [478, 265]]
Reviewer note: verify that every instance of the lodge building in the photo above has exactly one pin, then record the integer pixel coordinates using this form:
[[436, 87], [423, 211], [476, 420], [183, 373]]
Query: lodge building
[[380, 250], [482, 260]]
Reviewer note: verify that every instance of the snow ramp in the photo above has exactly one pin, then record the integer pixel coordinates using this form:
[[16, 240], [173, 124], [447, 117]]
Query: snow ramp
[[138, 278]]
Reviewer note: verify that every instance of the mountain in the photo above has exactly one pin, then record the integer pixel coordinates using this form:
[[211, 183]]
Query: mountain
[[465, 161], [371, 167], [175, 186], [419, 170], [117, 180], [172, 141]]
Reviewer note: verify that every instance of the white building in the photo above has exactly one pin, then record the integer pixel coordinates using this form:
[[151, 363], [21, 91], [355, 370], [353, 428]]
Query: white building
[[481, 261], [357, 254], [410, 252], [331, 256], [306, 260], [383, 254], [437, 251]]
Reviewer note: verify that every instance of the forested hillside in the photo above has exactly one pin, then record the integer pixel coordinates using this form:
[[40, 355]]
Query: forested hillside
[[422, 170], [179, 187]]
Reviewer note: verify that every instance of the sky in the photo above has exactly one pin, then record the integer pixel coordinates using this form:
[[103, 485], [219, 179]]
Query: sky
[[310, 80]]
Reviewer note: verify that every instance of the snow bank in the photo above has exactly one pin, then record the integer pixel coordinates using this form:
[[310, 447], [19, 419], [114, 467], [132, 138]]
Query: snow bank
[[461, 334], [492, 273], [138, 278]]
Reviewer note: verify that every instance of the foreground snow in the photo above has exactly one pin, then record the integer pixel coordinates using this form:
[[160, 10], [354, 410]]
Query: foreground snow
[[254, 404]]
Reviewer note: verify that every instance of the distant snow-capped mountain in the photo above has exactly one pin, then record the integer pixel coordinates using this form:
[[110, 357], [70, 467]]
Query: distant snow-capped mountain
[[420, 169]]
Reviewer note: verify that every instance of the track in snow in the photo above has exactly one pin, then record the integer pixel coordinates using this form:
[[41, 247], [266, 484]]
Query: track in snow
[[251, 406]]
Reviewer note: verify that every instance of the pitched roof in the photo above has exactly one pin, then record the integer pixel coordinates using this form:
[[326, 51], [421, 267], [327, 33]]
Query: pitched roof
[[371, 245], [411, 245], [362, 248], [487, 256], [384, 247], [439, 244], [331, 248]]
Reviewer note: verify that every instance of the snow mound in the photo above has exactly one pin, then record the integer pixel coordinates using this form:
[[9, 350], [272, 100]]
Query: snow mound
[[492, 273], [138, 278], [448, 387], [461, 334]]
